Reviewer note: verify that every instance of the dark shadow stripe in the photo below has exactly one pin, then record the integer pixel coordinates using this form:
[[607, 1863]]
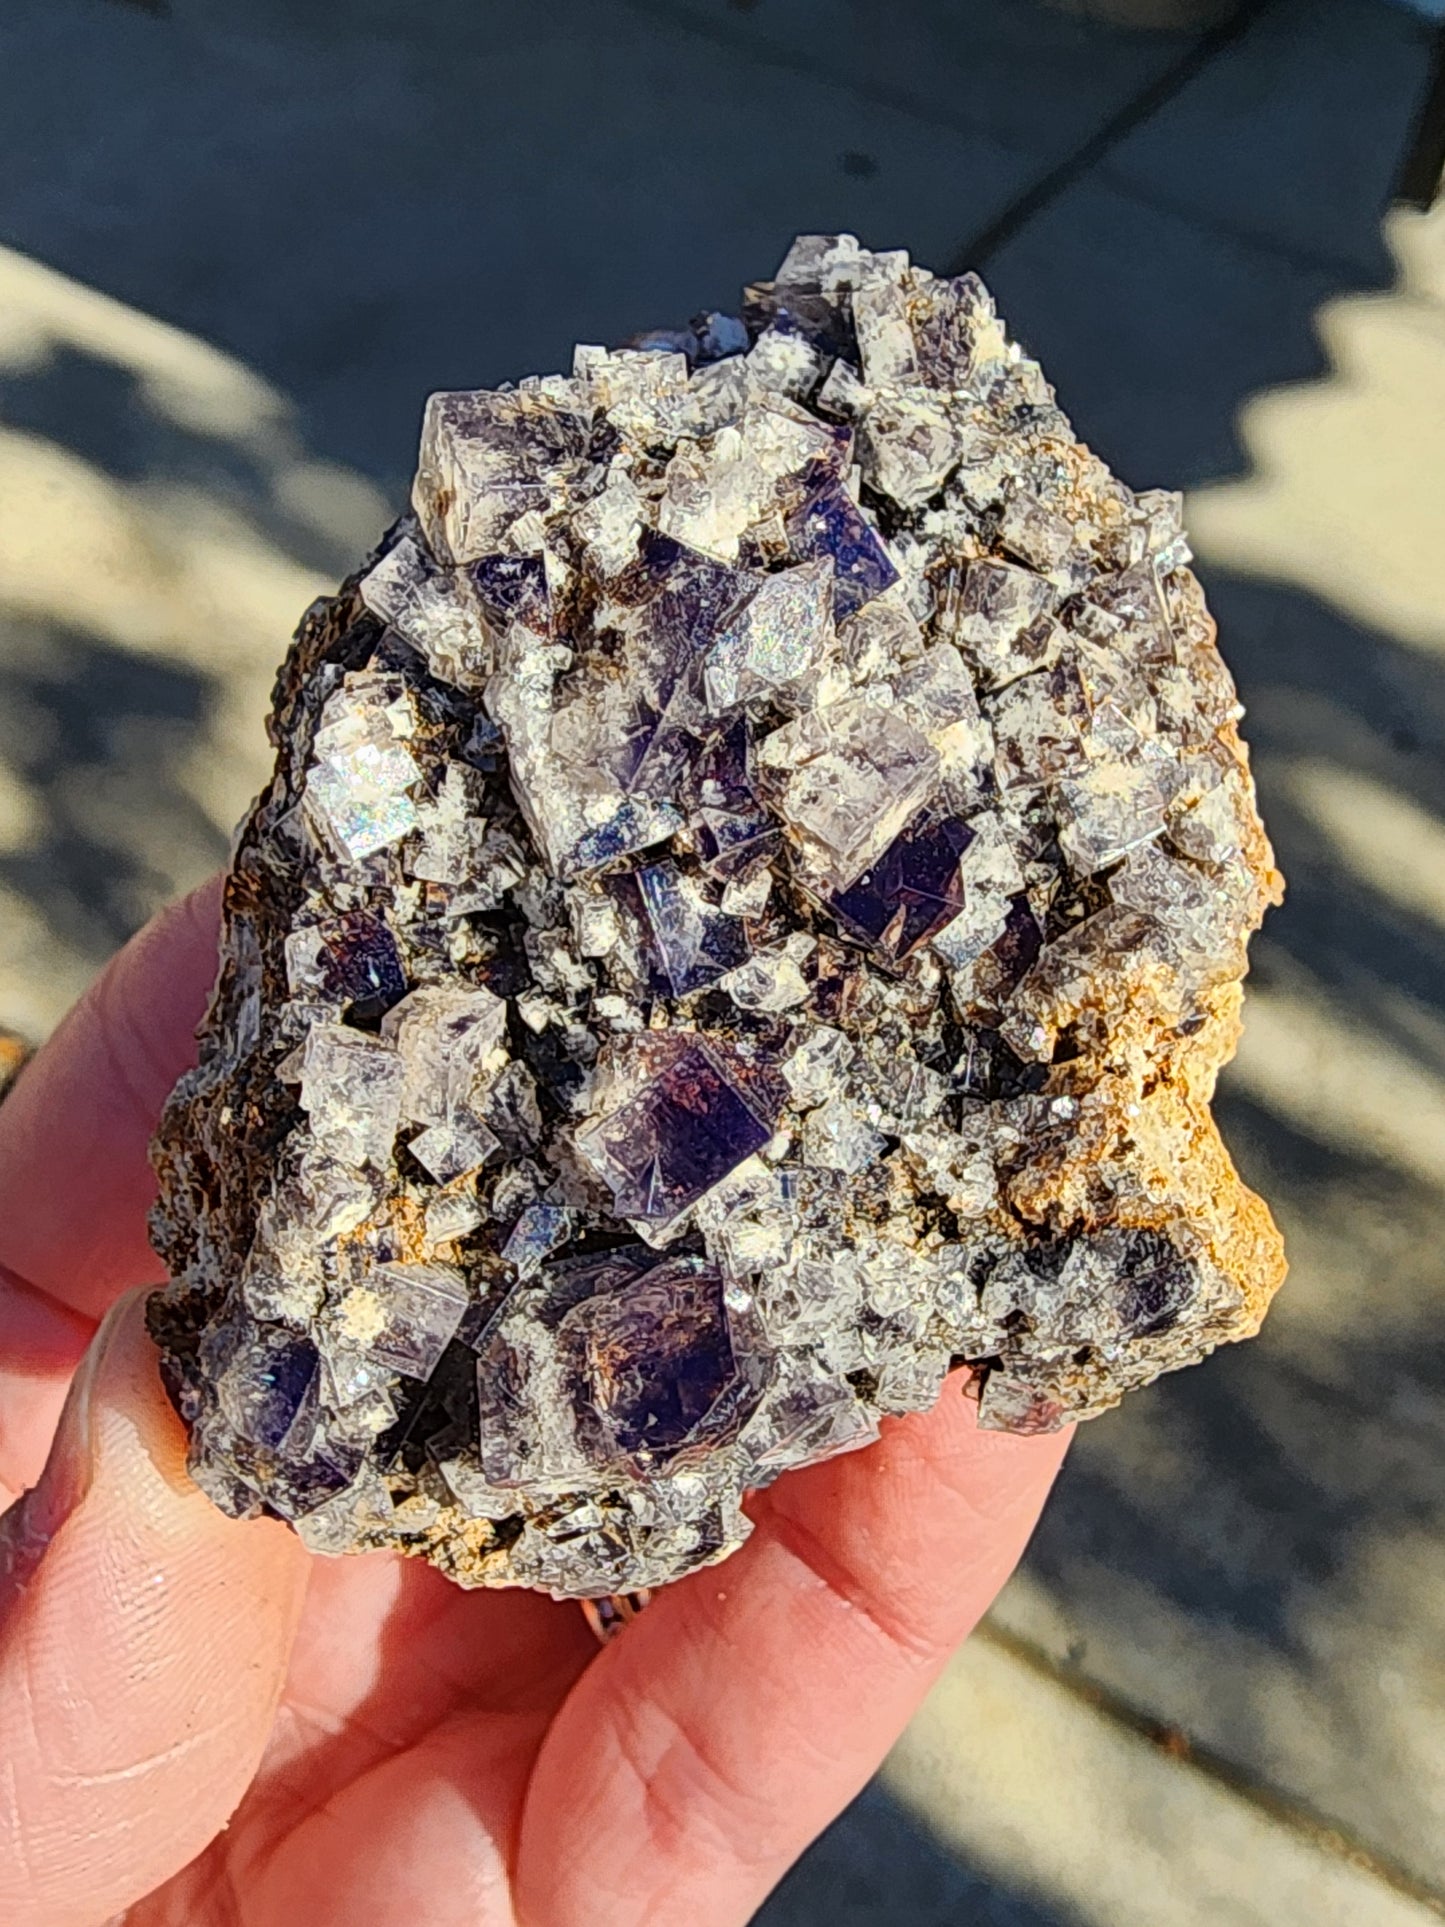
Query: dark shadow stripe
[[1100, 144], [1424, 163]]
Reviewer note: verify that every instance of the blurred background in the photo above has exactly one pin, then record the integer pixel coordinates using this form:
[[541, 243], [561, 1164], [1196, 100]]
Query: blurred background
[[243, 238]]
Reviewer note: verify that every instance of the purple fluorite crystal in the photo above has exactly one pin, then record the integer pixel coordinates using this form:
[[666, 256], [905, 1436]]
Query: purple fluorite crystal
[[360, 964], [831, 524], [694, 1120], [657, 1358], [751, 896], [910, 892]]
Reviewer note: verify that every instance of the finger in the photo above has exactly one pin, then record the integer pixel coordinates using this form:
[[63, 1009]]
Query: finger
[[711, 1742], [390, 1649], [39, 1344], [143, 1641], [75, 1180], [410, 1719]]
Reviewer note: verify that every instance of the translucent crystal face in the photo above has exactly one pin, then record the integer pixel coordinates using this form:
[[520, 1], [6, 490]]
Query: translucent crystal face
[[751, 899], [689, 1126]]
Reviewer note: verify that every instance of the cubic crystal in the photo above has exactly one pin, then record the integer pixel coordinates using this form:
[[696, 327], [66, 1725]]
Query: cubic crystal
[[689, 1125], [847, 778], [910, 892]]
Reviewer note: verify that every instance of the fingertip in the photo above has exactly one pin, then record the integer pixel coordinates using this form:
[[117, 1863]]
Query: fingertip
[[143, 1643]]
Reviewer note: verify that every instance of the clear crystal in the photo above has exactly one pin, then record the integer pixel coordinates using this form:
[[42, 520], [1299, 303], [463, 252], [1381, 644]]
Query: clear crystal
[[998, 618], [839, 1137], [908, 447], [695, 940], [782, 631], [487, 459], [404, 1315], [430, 606], [450, 1042], [541, 1230], [351, 1090], [771, 981], [358, 789], [450, 1151], [847, 778], [1107, 810]]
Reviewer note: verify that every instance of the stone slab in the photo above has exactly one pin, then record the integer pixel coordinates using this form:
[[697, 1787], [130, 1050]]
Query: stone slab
[[1021, 1777], [365, 203], [1294, 139]]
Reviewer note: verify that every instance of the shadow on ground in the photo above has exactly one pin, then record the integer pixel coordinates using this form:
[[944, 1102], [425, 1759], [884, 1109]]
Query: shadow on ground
[[361, 203], [876, 1864], [96, 738]]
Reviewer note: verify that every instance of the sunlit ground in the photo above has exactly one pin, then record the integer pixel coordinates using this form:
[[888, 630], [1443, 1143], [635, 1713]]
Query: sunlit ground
[[191, 574]]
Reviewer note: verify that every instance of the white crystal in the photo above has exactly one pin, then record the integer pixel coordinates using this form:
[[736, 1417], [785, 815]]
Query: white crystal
[[817, 1068], [881, 637], [351, 1088], [810, 1417], [341, 1195], [769, 981], [1040, 724], [1106, 811], [451, 1151], [430, 606], [1043, 538], [839, 1137], [407, 1318], [961, 1175], [937, 696], [885, 340], [718, 487], [844, 393], [747, 895], [595, 922], [642, 390], [452, 1213], [450, 1043], [849, 777], [786, 363], [908, 446], [784, 630], [609, 525]]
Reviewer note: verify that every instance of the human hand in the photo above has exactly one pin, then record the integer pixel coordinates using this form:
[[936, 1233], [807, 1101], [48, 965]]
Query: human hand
[[386, 1748]]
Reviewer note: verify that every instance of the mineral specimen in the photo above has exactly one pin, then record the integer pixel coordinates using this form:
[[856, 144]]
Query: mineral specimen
[[747, 917]]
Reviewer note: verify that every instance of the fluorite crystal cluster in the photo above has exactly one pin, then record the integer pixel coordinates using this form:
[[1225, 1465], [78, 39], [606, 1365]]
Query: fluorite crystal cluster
[[747, 916]]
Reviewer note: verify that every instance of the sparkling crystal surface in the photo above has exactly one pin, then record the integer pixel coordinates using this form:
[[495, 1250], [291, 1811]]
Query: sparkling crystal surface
[[749, 909]]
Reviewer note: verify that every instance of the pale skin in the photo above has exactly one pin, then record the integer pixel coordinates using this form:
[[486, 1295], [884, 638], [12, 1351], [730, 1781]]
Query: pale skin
[[203, 1726]]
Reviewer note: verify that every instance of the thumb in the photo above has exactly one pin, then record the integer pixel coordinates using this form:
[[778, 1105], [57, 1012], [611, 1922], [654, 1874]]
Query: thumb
[[143, 1643]]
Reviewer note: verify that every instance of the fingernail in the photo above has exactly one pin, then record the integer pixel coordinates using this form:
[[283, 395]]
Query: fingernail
[[27, 1529]]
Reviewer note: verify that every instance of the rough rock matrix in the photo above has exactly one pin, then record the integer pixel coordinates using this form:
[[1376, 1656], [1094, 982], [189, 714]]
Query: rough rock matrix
[[748, 914]]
